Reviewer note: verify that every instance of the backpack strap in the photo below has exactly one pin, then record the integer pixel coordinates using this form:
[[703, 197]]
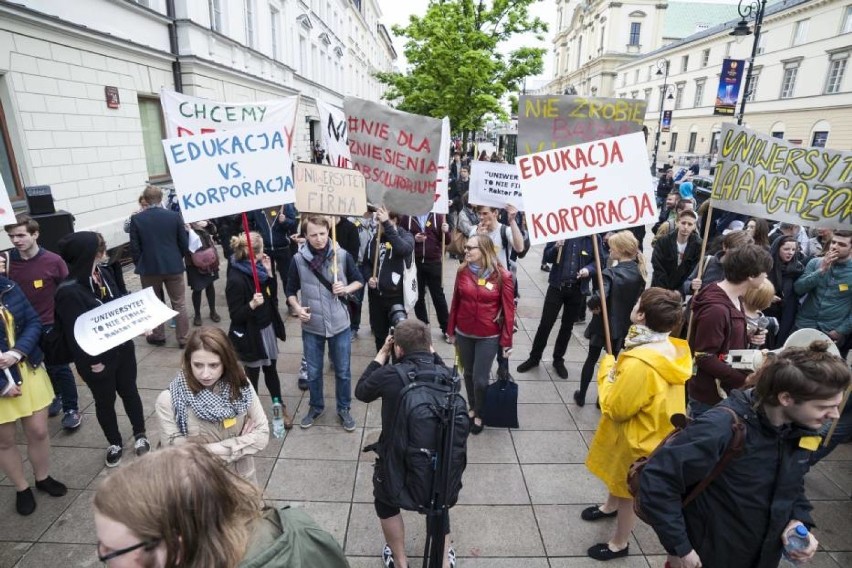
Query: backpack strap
[[734, 449]]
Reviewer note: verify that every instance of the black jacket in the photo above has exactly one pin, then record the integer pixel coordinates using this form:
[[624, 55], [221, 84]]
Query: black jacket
[[246, 323], [668, 273], [738, 520], [392, 259], [347, 237], [628, 283], [158, 242]]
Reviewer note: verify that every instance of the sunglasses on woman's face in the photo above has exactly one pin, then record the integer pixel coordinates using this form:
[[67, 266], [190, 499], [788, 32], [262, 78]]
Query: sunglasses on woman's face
[[470, 248]]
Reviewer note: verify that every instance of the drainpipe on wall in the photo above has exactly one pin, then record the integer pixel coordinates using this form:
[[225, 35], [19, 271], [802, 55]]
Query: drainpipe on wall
[[173, 46]]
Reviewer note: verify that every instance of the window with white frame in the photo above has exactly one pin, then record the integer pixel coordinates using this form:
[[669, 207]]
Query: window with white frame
[[153, 130], [623, 79], [699, 93], [249, 9], [800, 35], [761, 43], [8, 167], [836, 71], [684, 63], [648, 94], [788, 83], [728, 48], [635, 33], [705, 57], [847, 21], [751, 87], [603, 38], [679, 96], [275, 29], [636, 76], [215, 7], [303, 55], [650, 72]]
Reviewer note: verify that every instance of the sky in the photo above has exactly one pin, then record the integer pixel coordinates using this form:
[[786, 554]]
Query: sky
[[398, 12]]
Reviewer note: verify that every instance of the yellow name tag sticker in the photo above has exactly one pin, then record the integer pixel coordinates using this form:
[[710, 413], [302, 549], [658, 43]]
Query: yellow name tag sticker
[[357, 223], [584, 253], [428, 223], [481, 281], [843, 287], [38, 283], [273, 213], [810, 442], [489, 286], [388, 246], [229, 422]]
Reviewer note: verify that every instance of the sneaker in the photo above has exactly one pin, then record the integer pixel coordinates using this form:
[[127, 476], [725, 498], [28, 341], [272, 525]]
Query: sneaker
[[451, 557], [387, 556], [71, 420], [347, 420], [113, 457], [545, 267], [311, 416], [527, 365], [447, 337], [173, 323], [196, 321], [353, 335], [55, 407], [25, 504], [51, 487], [215, 317], [559, 365], [142, 445]]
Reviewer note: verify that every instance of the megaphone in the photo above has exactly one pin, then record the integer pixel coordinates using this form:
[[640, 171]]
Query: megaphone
[[752, 359]]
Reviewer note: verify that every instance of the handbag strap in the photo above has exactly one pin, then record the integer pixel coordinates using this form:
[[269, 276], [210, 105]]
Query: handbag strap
[[324, 281], [734, 449]]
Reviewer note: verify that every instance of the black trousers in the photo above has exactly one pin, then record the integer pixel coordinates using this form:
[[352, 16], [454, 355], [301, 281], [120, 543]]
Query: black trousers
[[270, 377], [117, 378], [570, 300], [280, 259], [380, 315], [429, 275]]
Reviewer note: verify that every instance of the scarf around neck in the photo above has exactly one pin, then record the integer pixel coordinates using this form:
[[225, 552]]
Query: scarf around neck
[[207, 405], [319, 257], [640, 335], [478, 271], [244, 266]]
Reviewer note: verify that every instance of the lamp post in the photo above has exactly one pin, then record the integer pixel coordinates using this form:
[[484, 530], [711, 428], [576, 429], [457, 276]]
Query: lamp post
[[757, 9], [662, 69]]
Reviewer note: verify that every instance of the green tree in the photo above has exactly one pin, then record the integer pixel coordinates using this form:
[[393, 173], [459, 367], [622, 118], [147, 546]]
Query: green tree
[[456, 67]]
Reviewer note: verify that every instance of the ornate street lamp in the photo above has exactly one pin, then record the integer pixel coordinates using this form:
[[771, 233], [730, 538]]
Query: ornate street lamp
[[662, 69], [747, 10]]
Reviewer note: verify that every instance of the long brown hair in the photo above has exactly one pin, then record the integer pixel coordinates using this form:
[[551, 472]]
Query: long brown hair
[[187, 498], [214, 340]]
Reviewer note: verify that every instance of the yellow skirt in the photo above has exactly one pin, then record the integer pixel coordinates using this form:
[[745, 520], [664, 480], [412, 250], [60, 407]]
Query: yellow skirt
[[36, 394]]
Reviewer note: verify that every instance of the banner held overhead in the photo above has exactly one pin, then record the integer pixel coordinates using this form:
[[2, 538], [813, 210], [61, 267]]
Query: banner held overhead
[[330, 191], [496, 185]]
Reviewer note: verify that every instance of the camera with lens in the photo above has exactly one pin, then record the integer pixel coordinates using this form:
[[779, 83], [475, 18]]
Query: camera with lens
[[396, 314]]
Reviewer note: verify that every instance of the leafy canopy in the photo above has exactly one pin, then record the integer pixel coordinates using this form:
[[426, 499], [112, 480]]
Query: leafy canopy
[[456, 67]]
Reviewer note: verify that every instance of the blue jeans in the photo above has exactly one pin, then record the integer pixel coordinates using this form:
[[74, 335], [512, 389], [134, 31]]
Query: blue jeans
[[64, 385], [339, 349], [695, 408]]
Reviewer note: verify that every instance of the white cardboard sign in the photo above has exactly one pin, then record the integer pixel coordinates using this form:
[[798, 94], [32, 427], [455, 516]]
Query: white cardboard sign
[[442, 201], [335, 135], [495, 185]]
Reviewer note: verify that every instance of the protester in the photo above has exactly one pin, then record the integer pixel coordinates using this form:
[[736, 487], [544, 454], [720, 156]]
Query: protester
[[181, 508], [39, 272], [573, 264], [713, 271], [686, 190], [366, 227], [412, 346], [326, 275], [201, 236], [481, 316], [504, 237], [385, 287], [113, 371], [792, 230], [827, 281], [211, 402], [158, 243], [430, 236], [467, 218], [759, 230], [25, 394], [821, 241], [669, 225], [623, 284], [676, 254], [665, 186], [786, 269], [754, 301], [721, 326], [275, 225], [743, 516], [638, 394], [256, 324]]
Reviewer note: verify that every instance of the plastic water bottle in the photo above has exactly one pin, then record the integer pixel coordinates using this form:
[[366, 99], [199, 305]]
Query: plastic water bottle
[[277, 418], [797, 539]]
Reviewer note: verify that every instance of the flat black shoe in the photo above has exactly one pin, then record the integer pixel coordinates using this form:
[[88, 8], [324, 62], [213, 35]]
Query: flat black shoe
[[594, 513], [559, 365], [51, 487], [545, 268], [602, 552], [527, 365], [25, 502], [579, 398], [476, 428]]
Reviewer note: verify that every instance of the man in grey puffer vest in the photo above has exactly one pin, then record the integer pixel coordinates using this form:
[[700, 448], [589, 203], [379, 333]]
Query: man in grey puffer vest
[[326, 275]]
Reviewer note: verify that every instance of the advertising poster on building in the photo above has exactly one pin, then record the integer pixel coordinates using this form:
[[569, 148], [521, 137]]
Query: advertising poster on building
[[397, 152], [120, 320], [586, 189], [334, 134], [762, 176], [442, 189], [730, 80], [329, 191], [495, 185], [229, 172], [546, 122], [667, 120], [187, 116]]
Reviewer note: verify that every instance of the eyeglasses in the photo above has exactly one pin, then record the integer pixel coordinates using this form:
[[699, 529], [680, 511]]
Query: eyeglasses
[[470, 248], [146, 544]]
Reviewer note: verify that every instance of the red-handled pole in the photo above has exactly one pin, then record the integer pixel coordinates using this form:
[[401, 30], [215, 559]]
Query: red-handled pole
[[251, 254]]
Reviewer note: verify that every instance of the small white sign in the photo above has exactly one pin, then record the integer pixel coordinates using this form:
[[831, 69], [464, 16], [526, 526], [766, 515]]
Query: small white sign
[[7, 214], [442, 201], [495, 185]]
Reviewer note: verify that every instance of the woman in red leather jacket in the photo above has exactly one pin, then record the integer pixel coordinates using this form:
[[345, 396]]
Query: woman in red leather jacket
[[481, 316]]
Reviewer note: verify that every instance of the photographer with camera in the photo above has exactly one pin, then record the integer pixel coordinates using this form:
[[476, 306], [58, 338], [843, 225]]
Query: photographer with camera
[[385, 289], [412, 345]]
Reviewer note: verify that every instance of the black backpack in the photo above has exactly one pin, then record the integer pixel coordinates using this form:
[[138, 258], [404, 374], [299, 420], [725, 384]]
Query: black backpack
[[411, 453]]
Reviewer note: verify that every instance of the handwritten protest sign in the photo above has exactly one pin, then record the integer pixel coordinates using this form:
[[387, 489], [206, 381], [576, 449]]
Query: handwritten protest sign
[[7, 214], [586, 189], [330, 191], [768, 177], [397, 152], [495, 185], [186, 115], [120, 320], [335, 135], [546, 122], [224, 173], [442, 190]]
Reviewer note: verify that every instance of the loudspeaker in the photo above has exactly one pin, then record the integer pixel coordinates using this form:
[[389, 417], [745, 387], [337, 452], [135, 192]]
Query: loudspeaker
[[39, 200], [53, 227]]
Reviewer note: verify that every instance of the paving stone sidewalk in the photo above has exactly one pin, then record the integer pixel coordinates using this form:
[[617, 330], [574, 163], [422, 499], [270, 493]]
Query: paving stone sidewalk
[[523, 489]]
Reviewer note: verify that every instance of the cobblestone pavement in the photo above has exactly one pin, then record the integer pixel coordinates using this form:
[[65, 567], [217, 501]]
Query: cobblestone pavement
[[523, 489]]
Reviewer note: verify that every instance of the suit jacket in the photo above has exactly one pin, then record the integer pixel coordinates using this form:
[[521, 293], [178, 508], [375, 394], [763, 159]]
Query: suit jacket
[[158, 242]]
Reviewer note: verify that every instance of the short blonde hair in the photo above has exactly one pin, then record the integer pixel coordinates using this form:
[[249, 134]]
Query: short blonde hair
[[239, 244], [760, 298]]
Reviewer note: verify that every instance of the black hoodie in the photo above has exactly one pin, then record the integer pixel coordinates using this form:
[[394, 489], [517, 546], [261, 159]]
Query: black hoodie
[[79, 250]]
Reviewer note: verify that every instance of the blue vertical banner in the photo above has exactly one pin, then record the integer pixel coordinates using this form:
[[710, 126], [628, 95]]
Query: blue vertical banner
[[667, 120], [729, 87]]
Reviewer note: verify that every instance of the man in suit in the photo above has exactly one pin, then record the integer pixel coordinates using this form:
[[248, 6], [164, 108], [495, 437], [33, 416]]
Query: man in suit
[[158, 243]]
